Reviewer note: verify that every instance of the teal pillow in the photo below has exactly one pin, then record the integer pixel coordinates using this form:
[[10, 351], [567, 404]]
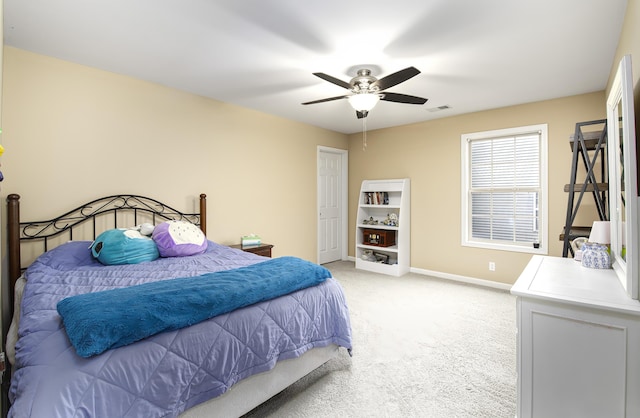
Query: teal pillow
[[124, 246]]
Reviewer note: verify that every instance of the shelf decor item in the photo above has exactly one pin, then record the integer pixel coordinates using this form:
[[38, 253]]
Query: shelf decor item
[[379, 237], [392, 220], [367, 255]]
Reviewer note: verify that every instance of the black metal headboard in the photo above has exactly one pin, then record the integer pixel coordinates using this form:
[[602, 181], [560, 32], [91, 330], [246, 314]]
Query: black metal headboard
[[110, 210], [90, 220]]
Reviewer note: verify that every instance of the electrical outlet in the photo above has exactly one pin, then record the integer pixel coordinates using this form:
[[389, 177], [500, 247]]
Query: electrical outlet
[[492, 266]]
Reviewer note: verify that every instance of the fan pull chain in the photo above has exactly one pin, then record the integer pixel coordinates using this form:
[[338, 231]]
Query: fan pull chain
[[364, 134]]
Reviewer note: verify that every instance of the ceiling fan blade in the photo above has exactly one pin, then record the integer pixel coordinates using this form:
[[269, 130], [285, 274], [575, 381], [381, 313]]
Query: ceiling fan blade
[[333, 80], [361, 114], [326, 100], [402, 98], [395, 78]]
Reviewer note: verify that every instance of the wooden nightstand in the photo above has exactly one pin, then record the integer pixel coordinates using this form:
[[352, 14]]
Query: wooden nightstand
[[261, 249]]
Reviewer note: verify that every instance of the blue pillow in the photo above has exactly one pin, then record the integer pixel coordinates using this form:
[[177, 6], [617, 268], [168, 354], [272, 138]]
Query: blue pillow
[[124, 246]]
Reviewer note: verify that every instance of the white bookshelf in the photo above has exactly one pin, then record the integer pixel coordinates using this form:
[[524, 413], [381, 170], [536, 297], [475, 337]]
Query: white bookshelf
[[378, 200]]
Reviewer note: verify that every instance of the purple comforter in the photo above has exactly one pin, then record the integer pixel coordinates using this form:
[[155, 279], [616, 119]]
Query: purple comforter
[[163, 375]]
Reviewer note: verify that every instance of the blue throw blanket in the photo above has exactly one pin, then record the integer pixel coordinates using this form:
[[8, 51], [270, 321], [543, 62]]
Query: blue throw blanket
[[96, 322]]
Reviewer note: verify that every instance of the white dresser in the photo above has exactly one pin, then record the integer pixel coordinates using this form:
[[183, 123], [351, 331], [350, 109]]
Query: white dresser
[[578, 342]]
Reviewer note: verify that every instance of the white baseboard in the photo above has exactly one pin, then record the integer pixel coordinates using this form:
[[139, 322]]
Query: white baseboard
[[463, 279], [456, 277]]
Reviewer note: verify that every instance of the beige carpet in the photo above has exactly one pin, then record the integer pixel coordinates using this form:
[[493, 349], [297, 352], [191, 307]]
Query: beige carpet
[[423, 347]]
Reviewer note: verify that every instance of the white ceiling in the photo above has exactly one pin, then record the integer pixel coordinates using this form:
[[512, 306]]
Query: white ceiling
[[473, 54]]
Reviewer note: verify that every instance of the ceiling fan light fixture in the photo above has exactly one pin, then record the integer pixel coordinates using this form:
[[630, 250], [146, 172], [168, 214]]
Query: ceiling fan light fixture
[[363, 102]]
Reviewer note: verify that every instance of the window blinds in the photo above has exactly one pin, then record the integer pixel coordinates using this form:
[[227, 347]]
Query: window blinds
[[505, 188]]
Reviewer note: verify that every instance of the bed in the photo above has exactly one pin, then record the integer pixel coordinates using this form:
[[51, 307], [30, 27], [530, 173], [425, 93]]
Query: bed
[[164, 338]]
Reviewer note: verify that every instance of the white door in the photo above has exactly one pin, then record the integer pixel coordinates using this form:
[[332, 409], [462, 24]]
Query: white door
[[330, 205]]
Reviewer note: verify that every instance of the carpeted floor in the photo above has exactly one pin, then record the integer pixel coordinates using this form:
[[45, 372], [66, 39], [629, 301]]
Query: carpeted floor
[[423, 347]]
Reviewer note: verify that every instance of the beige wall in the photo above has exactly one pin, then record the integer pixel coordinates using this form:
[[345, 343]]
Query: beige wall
[[122, 134], [429, 154], [73, 133], [629, 43]]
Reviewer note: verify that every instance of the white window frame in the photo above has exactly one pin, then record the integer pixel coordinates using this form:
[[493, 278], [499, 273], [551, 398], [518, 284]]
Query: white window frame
[[467, 239]]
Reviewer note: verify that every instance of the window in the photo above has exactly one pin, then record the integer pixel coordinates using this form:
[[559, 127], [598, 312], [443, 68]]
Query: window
[[504, 189]]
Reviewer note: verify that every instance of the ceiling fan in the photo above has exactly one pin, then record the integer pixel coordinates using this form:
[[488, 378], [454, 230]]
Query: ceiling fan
[[367, 90]]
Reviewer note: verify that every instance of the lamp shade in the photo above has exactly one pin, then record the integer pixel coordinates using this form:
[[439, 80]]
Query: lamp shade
[[600, 232], [363, 102]]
